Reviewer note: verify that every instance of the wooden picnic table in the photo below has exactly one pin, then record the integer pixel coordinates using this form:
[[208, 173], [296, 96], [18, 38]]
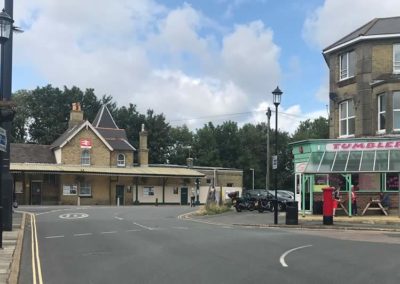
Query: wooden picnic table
[[371, 206]]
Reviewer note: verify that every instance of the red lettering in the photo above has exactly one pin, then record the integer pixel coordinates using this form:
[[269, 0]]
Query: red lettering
[[397, 145], [380, 145], [358, 146], [370, 145], [389, 144], [337, 145], [346, 145]]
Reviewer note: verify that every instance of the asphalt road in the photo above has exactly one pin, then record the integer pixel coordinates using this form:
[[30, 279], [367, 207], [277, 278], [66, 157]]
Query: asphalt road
[[148, 244]]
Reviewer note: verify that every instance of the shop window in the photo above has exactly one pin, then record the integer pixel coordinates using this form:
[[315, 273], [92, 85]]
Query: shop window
[[369, 182], [382, 113], [148, 191], [85, 189], [396, 58], [394, 160], [121, 160], [392, 181], [229, 184], [85, 157], [396, 110], [347, 65], [346, 119]]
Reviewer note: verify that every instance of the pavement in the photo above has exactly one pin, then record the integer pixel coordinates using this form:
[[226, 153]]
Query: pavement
[[10, 254]]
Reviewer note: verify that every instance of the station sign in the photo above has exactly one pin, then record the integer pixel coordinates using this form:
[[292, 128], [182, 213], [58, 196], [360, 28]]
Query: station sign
[[3, 140]]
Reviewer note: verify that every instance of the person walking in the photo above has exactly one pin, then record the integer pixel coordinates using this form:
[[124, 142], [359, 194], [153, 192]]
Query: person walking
[[192, 199], [336, 199], [353, 201]]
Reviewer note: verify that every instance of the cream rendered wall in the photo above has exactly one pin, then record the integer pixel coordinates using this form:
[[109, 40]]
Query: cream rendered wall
[[57, 154]]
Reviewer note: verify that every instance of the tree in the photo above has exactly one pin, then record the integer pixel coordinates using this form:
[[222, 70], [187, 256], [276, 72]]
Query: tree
[[205, 147], [181, 145], [227, 139], [159, 138], [316, 129]]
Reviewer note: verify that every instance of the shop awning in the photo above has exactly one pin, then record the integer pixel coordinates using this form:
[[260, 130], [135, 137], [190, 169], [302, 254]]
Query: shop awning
[[354, 161]]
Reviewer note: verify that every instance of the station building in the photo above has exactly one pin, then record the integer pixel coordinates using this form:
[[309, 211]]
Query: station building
[[93, 164], [364, 121]]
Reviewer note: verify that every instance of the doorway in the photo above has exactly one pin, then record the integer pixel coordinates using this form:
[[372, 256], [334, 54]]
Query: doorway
[[184, 195], [36, 193], [119, 194]]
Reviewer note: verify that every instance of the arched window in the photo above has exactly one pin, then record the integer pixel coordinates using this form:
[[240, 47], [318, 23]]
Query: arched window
[[121, 160], [85, 157]]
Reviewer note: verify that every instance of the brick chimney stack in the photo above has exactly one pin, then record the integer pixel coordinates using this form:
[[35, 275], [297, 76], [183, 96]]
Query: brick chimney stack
[[143, 151], [76, 115]]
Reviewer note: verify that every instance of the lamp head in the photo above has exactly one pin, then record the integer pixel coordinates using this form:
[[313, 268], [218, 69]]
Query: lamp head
[[277, 93], [5, 26]]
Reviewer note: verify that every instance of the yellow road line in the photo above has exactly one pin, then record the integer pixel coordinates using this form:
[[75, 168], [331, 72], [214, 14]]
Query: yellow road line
[[39, 266], [33, 252], [36, 265]]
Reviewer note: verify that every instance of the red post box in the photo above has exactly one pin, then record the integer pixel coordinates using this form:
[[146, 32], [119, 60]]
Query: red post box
[[328, 206]]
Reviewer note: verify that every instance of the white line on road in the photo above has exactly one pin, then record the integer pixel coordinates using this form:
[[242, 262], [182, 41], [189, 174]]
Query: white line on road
[[143, 226], [282, 258], [83, 234], [118, 218], [110, 232], [54, 237], [134, 230]]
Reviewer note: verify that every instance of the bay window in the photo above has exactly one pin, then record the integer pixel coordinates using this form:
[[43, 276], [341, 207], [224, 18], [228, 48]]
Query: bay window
[[396, 110], [396, 58]]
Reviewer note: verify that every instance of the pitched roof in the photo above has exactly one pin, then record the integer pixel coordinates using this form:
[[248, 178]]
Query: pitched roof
[[31, 153], [377, 28], [104, 119], [60, 140]]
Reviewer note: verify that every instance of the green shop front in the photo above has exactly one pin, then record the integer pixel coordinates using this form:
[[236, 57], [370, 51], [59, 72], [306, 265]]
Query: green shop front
[[372, 164]]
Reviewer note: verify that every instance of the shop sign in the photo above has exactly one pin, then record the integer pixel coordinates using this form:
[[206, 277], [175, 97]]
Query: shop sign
[[86, 143], [360, 146], [300, 167]]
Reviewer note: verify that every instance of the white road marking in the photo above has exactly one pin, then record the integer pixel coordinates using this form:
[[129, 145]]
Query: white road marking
[[143, 226], [110, 232], [282, 258], [54, 237], [83, 234], [73, 216], [134, 230], [118, 218]]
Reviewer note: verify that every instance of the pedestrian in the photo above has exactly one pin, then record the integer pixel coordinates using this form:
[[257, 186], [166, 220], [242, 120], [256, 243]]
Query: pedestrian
[[354, 200], [192, 198], [336, 199]]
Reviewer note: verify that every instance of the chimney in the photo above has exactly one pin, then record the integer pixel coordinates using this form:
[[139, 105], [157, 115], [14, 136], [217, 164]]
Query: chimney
[[76, 115], [189, 162], [143, 151]]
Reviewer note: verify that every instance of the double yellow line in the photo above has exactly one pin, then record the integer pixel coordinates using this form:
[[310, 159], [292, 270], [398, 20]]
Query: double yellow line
[[36, 266]]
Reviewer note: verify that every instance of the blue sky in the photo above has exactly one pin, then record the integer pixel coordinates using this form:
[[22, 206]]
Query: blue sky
[[195, 61]]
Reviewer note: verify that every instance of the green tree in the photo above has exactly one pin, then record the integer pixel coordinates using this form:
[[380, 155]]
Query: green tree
[[181, 145], [316, 129], [205, 147], [227, 139], [158, 138]]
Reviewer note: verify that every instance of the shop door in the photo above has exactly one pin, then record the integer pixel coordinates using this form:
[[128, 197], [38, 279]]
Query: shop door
[[184, 195], [119, 193], [307, 193], [36, 193]]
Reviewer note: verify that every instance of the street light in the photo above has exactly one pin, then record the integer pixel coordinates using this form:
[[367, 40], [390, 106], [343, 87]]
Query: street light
[[277, 94], [253, 176], [5, 31]]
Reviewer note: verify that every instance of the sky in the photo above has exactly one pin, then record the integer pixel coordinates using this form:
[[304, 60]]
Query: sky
[[194, 61]]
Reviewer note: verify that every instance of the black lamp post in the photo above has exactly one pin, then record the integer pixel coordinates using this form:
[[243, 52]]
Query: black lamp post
[[277, 93], [5, 115]]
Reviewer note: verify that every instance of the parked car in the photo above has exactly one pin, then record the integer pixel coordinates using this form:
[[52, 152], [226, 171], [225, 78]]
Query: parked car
[[286, 193], [282, 199]]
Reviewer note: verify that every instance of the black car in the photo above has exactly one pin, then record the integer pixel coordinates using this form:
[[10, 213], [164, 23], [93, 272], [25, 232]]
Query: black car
[[282, 199]]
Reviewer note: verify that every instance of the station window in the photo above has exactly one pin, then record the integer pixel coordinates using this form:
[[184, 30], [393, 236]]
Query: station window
[[85, 157], [396, 58], [85, 189], [121, 160]]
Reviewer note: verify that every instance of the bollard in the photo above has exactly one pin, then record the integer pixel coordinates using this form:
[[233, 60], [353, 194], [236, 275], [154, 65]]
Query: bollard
[[156, 201], [118, 201]]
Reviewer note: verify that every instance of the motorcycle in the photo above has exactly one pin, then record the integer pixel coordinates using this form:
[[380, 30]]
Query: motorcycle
[[245, 204], [265, 204]]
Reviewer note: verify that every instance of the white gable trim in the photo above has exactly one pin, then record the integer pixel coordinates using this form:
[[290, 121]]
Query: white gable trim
[[86, 124]]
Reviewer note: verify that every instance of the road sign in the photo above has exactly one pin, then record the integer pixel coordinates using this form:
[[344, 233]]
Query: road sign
[[274, 162], [3, 140]]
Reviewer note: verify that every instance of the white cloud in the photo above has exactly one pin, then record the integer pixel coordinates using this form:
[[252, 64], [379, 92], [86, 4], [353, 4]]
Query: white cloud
[[337, 18]]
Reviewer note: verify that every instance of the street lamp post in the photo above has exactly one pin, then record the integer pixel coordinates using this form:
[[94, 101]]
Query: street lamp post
[[277, 94], [5, 115], [252, 171], [268, 113]]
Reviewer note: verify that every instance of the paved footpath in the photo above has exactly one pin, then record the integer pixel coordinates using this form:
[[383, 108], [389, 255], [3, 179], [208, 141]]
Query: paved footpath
[[11, 252]]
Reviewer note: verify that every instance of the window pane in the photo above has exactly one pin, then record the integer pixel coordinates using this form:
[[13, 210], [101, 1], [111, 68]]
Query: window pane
[[396, 120], [396, 100], [343, 127], [343, 66], [327, 161], [382, 121], [352, 126], [340, 162], [313, 164], [394, 163], [351, 108], [381, 162], [352, 63], [367, 163], [354, 161], [392, 181], [382, 103], [369, 181], [343, 110]]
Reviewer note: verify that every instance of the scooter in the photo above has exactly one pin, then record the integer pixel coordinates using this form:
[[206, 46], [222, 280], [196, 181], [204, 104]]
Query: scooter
[[265, 204], [245, 204]]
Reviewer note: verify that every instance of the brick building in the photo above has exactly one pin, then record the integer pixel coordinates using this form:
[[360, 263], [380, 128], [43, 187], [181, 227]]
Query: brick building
[[93, 164], [364, 120]]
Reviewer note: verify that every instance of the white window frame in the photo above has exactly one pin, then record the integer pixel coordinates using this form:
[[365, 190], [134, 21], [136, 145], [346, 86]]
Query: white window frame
[[121, 162], [85, 186], [85, 157], [380, 112], [396, 93], [396, 64], [344, 71], [346, 118]]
